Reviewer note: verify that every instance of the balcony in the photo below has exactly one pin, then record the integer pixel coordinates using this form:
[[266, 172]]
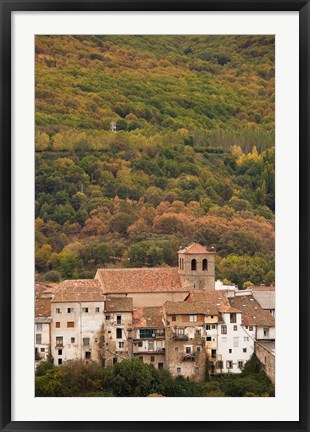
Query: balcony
[[189, 357], [180, 337]]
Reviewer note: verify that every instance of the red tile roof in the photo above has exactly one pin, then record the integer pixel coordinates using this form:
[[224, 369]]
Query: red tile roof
[[148, 317], [119, 304], [79, 290], [42, 301], [135, 280], [190, 308], [252, 312], [195, 248]]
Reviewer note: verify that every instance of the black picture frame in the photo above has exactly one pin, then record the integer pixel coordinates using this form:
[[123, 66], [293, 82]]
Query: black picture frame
[[7, 7]]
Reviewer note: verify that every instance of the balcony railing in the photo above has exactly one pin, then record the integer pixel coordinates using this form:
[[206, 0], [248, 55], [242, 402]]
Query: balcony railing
[[190, 356], [180, 337]]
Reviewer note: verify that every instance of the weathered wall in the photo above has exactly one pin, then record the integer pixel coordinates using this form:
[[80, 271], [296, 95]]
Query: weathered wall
[[198, 279], [267, 359], [114, 349], [156, 299]]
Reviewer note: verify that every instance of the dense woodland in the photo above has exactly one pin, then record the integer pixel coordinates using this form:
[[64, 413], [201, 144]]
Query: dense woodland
[[192, 159]]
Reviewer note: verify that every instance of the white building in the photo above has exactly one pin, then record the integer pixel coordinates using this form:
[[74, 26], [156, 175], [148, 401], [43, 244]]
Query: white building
[[43, 295], [77, 310]]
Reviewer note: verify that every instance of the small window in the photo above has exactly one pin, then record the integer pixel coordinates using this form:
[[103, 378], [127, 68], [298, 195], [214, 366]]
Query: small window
[[213, 353], [174, 318], [235, 328], [70, 310], [230, 351], [251, 328], [229, 364], [60, 361], [204, 264], [114, 360], [152, 359], [39, 327], [88, 355], [233, 317], [266, 332], [246, 338], [244, 350], [188, 350], [209, 339], [240, 364], [198, 349], [208, 327], [97, 309], [72, 340], [86, 342], [60, 352], [42, 350], [57, 324], [121, 345], [193, 318], [212, 316], [107, 317], [219, 364], [151, 346], [85, 309], [58, 310], [118, 319], [70, 324], [59, 341], [213, 326], [140, 344], [224, 329], [176, 349], [119, 333], [194, 265], [38, 339], [178, 370], [160, 365]]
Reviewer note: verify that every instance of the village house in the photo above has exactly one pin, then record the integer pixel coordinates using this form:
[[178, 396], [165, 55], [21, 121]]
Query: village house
[[266, 297], [43, 319], [77, 310], [148, 336], [116, 344]]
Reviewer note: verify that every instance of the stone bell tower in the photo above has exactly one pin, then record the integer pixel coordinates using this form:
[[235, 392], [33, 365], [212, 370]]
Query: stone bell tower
[[197, 267]]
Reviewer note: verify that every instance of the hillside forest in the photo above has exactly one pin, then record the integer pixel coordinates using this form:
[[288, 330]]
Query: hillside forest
[[192, 158]]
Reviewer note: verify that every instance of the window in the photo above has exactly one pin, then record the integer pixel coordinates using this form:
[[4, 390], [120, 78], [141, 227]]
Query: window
[[85, 342], [251, 328], [57, 324], [97, 309], [147, 333], [230, 351], [213, 353], [233, 317], [88, 355], [198, 349], [119, 333], [219, 364], [224, 329], [152, 359], [213, 326], [72, 340], [235, 328], [140, 344], [39, 327], [60, 352], [43, 350], [194, 265], [151, 346], [107, 317], [60, 361], [85, 309], [38, 339], [70, 310], [119, 319], [178, 370], [188, 350], [176, 349], [58, 310], [160, 365], [266, 332], [240, 364], [229, 364], [121, 345], [197, 333], [209, 339], [246, 338], [244, 350], [114, 360], [208, 327], [174, 318], [212, 316], [236, 341], [204, 264], [179, 331], [59, 341], [70, 324], [224, 339], [193, 318]]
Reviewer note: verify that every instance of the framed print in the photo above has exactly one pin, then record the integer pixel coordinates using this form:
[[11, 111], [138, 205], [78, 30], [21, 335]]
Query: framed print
[[154, 215]]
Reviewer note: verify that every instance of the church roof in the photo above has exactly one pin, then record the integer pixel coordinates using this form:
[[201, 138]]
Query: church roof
[[195, 248], [135, 280]]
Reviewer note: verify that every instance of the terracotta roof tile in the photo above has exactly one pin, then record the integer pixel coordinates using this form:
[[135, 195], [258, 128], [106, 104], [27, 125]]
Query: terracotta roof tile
[[128, 280], [78, 290], [119, 304], [42, 301], [190, 308], [195, 248], [148, 317], [252, 312]]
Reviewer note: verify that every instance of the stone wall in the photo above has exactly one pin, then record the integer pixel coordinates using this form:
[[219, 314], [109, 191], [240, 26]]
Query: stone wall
[[267, 359]]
